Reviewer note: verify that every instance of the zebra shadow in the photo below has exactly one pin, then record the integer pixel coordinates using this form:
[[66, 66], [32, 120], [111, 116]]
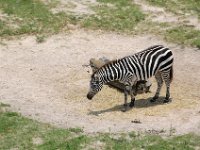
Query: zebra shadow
[[140, 103]]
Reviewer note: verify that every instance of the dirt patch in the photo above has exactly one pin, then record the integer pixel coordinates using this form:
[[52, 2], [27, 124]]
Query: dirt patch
[[47, 82], [158, 14], [10, 21], [78, 7]]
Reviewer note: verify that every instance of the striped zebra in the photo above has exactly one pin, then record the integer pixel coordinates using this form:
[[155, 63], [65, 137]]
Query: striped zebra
[[154, 61]]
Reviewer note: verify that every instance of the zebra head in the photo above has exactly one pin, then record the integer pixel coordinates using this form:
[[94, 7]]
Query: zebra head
[[96, 85]]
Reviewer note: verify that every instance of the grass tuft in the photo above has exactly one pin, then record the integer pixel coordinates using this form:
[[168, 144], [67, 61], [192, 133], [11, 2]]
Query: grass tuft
[[184, 35], [76, 130], [179, 6], [19, 132], [31, 17], [114, 15], [40, 38], [4, 105]]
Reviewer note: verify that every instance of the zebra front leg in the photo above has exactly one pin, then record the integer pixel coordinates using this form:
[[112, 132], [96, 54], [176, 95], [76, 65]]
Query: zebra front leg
[[159, 81], [132, 101], [133, 93], [125, 98]]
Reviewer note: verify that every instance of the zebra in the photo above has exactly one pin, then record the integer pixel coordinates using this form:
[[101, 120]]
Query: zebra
[[155, 61]]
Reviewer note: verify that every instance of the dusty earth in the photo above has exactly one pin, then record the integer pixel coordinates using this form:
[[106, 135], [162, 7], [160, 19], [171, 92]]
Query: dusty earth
[[160, 15], [49, 82]]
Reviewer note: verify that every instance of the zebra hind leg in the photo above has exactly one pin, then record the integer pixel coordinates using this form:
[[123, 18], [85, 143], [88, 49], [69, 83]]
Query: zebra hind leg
[[167, 79], [159, 81]]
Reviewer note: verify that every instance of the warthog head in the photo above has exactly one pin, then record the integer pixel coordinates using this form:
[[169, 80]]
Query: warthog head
[[142, 87]]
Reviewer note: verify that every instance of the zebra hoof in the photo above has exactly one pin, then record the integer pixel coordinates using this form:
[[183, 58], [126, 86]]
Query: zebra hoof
[[166, 101], [153, 100], [124, 109], [131, 105], [125, 105]]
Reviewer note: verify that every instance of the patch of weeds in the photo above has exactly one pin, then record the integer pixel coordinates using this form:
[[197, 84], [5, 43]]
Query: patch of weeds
[[145, 141], [74, 19], [77, 142], [40, 38], [118, 15], [76, 130], [133, 135], [183, 35], [59, 139], [52, 3], [172, 131], [169, 4], [115, 143], [70, 5], [188, 6], [35, 17], [155, 28], [62, 139], [19, 132], [188, 141], [196, 42], [4, 29], [4, 105]]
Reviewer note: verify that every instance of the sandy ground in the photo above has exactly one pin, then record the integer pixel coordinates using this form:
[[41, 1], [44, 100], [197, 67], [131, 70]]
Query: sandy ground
[[49, 82], [160, 15], [78, 7]]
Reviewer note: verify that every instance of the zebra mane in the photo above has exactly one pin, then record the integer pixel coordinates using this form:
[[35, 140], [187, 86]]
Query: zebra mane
[[107, 63], [149, 49]]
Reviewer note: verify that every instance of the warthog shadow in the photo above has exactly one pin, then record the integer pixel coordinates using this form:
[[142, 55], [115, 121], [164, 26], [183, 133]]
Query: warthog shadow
[[140, 103]]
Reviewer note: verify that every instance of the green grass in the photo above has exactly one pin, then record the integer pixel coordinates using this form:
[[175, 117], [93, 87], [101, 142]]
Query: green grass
[[114, 15], [40, 38], [29, 17], [150, 142], [181, 34], [175, 6], [4, 105], [22, 133], [19, 132], [35, 17], [184, 35], [167, 4]]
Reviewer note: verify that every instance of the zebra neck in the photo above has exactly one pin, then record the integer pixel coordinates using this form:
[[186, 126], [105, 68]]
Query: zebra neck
[[105, 76], [108, 74]]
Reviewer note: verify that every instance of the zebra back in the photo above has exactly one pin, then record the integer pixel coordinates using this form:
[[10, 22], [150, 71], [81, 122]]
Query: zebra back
[[140, 66]]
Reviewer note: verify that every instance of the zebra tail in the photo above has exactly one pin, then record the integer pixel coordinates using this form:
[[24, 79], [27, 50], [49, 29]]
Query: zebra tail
[[171, 74]]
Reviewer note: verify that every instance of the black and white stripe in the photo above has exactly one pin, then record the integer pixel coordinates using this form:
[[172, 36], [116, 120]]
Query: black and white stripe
[[154, 61]]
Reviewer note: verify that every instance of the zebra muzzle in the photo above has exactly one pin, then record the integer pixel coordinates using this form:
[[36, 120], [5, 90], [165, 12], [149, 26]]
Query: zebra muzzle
[[90, 96]]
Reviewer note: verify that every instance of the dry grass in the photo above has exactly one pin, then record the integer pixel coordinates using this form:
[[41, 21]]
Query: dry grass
[[110, 102]]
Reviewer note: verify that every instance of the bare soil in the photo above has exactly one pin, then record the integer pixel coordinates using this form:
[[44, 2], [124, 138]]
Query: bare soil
[[160, 15], [49, 82], [78, 7]]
